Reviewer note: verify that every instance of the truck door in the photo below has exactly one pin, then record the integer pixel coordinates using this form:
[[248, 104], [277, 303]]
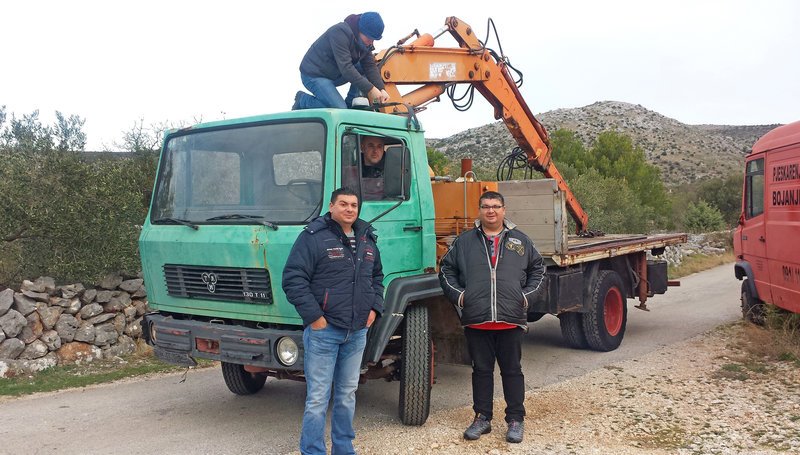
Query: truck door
[[754, 240], [782, 226], [399, 223]]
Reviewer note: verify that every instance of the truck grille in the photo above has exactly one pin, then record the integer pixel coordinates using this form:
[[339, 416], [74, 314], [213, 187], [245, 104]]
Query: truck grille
[[219, 283]]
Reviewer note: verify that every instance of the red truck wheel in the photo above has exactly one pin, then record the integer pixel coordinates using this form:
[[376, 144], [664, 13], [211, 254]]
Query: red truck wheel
[[604, 323], [241, 382], [416, 366], [752, 308]]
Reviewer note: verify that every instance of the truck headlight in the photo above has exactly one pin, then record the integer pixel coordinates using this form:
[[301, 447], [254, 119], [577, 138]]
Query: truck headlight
[[287, 351]]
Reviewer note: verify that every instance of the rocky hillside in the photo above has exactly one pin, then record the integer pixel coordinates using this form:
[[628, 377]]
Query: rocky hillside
[[683, 153]]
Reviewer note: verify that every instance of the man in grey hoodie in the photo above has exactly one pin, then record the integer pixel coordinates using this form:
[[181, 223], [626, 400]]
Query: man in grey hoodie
[[343, 54]]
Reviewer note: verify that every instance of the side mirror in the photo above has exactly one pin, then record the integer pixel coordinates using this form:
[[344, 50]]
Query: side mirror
[[741, 219], [397, 172]]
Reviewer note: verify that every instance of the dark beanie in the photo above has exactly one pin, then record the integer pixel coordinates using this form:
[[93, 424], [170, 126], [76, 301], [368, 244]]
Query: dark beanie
[[371, 25]]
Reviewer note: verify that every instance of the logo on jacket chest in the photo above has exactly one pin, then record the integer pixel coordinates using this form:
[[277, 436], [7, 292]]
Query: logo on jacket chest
[[516, 246], [369, 254], [336, 252]]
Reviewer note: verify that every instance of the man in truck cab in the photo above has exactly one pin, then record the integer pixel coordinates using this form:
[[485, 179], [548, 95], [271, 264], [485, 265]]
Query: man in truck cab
[[491, 272], [343, 54], [334, 277], [373, 149], [371, 157]]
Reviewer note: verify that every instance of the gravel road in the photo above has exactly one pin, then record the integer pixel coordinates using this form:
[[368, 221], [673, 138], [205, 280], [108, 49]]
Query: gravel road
[[667, 389], [701, 396]]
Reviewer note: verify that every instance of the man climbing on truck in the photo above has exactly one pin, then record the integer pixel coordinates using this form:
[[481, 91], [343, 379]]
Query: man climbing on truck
[[343, 54]]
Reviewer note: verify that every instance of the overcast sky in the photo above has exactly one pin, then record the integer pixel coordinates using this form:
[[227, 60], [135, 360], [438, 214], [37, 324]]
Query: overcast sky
[[114, 62]]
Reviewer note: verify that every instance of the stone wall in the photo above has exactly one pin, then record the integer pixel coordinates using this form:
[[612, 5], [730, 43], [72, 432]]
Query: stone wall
[[44, 325], [708, 244]]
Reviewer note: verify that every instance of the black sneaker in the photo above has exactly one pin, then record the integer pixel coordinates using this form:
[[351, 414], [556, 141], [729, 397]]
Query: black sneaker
[[481, 425], [515, 431], [296, 105]]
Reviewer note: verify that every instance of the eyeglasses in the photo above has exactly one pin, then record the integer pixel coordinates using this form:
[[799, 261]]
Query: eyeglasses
[[491, 207]]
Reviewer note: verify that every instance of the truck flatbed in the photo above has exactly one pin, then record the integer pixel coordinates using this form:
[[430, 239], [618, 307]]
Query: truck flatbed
[[584, 249]]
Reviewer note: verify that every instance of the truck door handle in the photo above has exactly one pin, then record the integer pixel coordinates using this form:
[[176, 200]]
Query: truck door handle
[[412, 228], [762, 239]]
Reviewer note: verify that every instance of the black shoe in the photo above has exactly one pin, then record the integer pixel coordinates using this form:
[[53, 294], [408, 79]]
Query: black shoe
[[515, 431], [296, 105], [481, 425]]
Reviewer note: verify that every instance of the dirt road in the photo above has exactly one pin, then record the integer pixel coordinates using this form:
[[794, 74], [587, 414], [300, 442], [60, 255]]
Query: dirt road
[[165, 415]]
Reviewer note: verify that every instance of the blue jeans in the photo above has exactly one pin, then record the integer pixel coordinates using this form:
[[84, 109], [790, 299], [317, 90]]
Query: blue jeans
[[332, 356], [325, 93]]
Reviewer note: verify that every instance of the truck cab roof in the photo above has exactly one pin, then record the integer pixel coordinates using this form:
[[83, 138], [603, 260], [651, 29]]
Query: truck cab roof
[[331, 116], [781, 136]]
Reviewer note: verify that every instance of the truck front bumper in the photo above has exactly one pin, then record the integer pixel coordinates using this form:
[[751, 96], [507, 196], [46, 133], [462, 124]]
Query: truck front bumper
[[181, 341]]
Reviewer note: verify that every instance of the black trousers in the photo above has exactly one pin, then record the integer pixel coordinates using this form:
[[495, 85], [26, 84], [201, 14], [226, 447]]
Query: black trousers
[[505, 347]]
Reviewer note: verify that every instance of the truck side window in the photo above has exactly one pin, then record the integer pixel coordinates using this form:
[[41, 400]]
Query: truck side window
[[363, 160], [754, 188]]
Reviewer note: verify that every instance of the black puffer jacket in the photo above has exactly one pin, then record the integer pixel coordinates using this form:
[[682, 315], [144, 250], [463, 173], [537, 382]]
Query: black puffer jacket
[[335, 52], [322, 277], [486, 293]]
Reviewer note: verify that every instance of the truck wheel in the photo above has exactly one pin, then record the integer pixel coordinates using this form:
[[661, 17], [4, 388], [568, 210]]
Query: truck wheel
[[240, 381], [572, 330], [604, 323], [416, 367], [752, 308]]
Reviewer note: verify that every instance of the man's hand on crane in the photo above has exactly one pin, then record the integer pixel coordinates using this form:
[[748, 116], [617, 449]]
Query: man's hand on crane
[[378, 96]]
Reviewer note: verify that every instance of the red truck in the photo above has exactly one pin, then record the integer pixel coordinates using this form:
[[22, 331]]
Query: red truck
[[767, 239]]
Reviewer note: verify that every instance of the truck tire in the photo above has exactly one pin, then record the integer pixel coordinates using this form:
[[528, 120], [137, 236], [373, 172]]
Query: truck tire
[[752, 308], [604, 323], [240, 381], [416, 366], [572, 330]]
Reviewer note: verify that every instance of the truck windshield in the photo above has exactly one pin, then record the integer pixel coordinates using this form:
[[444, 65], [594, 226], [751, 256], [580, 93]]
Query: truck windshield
[[242, 175]]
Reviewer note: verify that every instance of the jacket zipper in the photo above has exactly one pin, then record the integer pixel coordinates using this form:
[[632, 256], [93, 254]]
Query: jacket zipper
[[493, 270], [493, 274]]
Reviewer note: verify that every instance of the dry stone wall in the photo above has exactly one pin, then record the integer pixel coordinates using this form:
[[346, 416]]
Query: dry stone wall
[[43, 325], [708, 244]]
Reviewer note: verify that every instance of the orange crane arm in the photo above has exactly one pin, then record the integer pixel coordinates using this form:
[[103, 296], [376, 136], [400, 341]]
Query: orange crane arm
[[436, 68]]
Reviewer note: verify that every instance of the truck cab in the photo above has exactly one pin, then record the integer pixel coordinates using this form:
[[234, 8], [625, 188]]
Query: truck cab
[[231, 197], [765, 241]]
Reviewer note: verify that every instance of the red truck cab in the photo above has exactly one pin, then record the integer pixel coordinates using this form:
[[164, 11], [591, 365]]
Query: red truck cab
[[767, 240]]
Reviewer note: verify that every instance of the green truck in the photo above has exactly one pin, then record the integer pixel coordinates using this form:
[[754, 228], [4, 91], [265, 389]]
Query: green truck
[[231, 197]]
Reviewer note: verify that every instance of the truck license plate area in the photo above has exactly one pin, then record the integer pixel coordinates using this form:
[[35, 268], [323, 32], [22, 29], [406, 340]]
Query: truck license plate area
[[206, 345]]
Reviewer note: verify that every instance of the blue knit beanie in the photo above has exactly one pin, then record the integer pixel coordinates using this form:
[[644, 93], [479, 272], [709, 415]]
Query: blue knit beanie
[[371, 25]]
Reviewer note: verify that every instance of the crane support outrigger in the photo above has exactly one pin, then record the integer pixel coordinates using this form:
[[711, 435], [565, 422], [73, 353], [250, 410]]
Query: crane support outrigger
[[437, 68]]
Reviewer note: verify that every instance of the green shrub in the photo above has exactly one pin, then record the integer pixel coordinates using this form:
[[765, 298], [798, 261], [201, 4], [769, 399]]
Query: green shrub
[[612, 206], [65, 217], [703, 217]]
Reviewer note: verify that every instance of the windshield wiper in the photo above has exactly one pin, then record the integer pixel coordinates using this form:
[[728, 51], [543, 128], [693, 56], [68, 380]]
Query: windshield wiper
[[178, 221], [238, 216]]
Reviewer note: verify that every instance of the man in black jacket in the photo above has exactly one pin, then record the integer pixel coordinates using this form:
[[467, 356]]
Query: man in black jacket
[[343, 54], [335, 279], [492, 272]]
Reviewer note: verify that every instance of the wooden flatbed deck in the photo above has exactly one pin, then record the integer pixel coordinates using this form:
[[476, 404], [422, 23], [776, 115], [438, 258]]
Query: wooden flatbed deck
[[584, 249]]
